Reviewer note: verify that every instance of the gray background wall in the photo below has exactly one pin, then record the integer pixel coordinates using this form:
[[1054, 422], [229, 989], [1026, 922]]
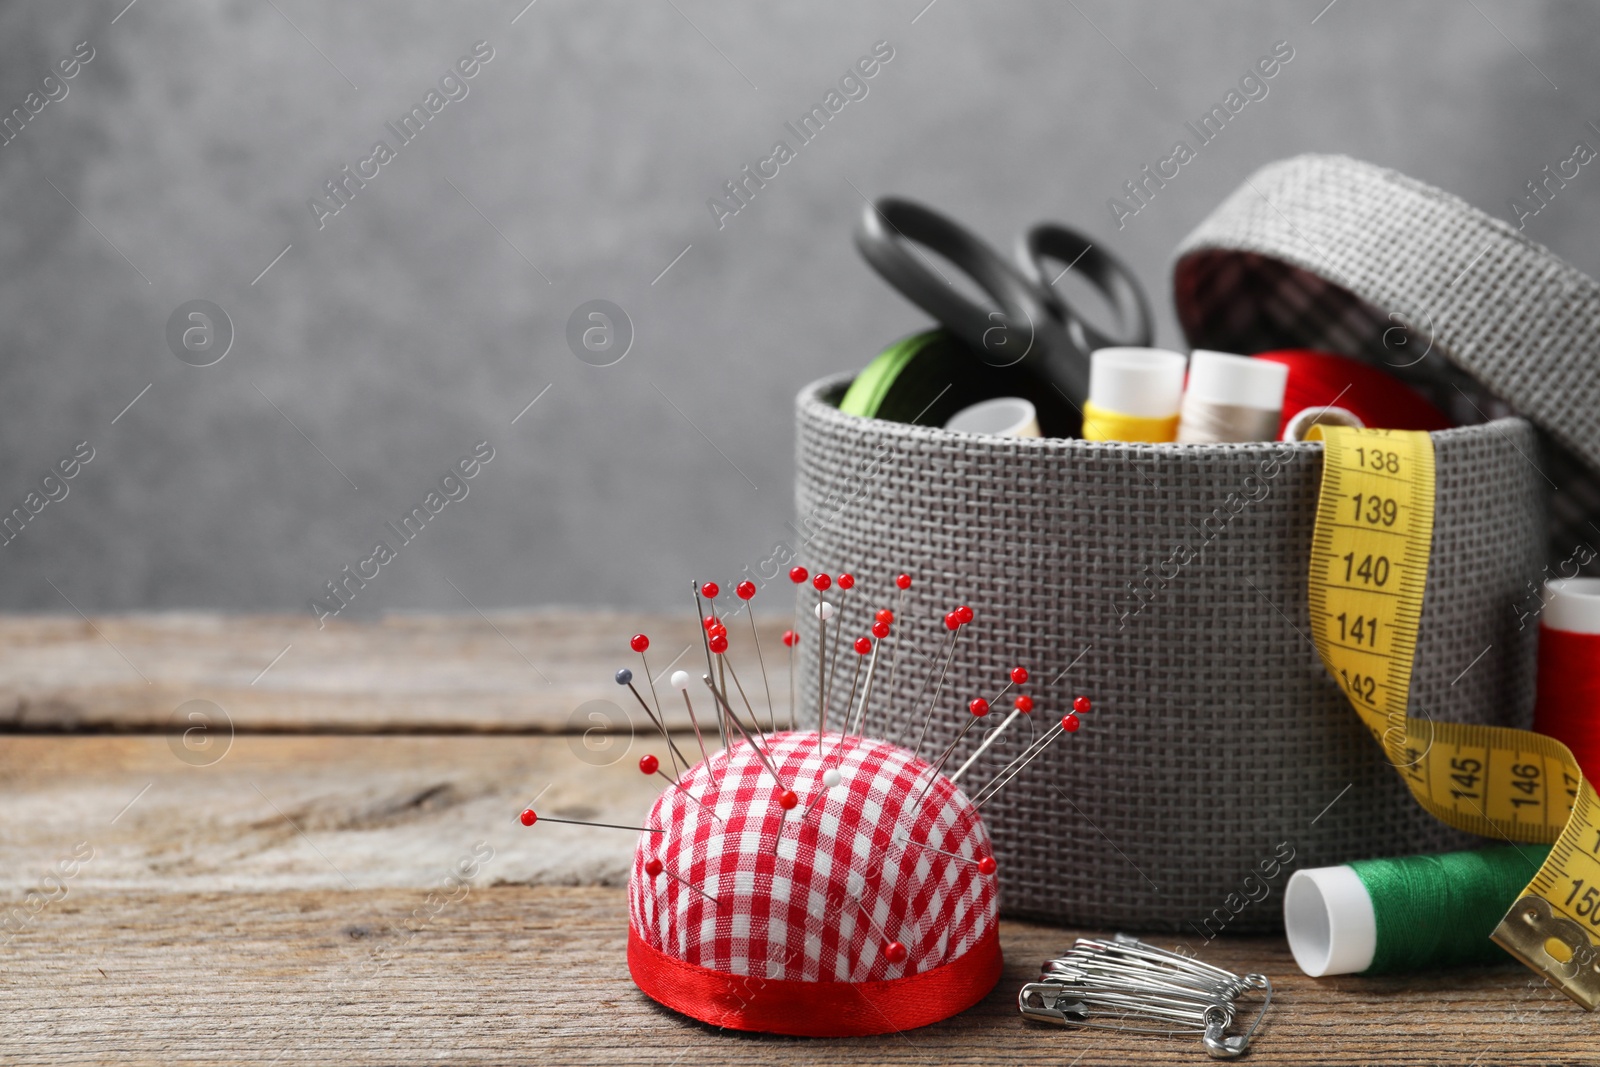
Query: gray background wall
[[433, 308]]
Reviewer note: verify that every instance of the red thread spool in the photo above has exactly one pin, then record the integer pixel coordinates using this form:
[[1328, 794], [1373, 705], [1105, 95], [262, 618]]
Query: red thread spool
[[1377, 398], [1568, 708]]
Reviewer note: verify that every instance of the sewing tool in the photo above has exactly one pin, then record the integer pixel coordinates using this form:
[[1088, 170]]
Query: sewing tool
[[1134, 395], [1126, 984], [1370, 395], [1369, 565], [1004, 416], [899, 930], [1231, 398], [529, 817], [1300, 423], [1568, 706], [1030, 327], [1409, 913]]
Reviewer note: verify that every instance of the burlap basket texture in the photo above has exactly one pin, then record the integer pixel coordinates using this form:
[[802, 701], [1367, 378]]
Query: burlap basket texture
[[1169, 583], [1217, 740]]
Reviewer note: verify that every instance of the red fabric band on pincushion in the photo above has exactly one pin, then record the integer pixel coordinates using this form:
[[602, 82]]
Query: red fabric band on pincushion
[[816, 1009]]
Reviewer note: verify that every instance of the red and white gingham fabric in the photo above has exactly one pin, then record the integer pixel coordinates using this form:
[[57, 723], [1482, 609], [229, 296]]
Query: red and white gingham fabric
[[845, 880]]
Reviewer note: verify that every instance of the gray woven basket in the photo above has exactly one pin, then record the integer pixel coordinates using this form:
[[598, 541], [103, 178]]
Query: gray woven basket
[[1217, 738], [1329, 252]]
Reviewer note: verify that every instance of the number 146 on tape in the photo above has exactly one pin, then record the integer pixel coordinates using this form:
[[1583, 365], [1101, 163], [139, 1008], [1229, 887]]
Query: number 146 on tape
[[1369, 570]]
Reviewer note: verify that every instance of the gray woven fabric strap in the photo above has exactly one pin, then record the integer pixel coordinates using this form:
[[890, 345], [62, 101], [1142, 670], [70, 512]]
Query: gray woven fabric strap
[[1168, 583], [1330, 252]]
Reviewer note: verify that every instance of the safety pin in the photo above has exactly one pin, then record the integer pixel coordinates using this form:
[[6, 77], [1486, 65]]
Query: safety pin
[[1126, 984]]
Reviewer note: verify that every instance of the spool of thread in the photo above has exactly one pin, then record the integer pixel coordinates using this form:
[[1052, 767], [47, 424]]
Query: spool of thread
[[1410, 913], [1295, 429], [1231, 398], [1004, 416], [1377, 398], [1134, 395], [1568, 707]]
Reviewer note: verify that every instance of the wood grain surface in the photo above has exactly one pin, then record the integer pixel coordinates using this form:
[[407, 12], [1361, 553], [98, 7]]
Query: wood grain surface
[[283, 897], [497, 673]]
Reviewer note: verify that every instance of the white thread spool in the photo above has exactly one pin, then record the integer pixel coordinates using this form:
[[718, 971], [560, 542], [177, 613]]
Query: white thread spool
[[1328, 915], [1004, 416], [1302, 421], [1231, 398]]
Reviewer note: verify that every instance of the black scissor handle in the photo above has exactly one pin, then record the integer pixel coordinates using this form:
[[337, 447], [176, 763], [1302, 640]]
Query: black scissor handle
[[1023, 323], [1052, 241]]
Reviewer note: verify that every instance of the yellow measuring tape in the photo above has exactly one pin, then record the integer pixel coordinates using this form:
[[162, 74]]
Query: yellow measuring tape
[[1369, 569]]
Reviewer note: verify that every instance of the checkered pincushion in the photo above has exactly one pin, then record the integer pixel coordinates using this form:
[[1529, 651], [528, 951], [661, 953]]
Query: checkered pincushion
[[818, 893]]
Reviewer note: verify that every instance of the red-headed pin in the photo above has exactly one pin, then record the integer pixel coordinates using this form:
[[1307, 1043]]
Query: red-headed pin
[[797, 575], [529, 817], [902, 581], [987, 865], [710, 590], [847, 582], [745, 590], [1019, 675], [821, 583], [880, 630], [894, 952], [863, 645], [639, 643], [790, 639]]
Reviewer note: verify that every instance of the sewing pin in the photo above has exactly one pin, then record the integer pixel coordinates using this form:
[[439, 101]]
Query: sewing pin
[[705, 643], [625, 677], [1069, 724], [745, 591], [529, 817], [1023, 705], [824, 612], [846, 582], [786, 798], [680, 682], [721, 649], [790, 639], [902, 582], [979, 708], [862, 646], [639, 643], [986, 865], [953, 622], [649, 765], [654, 867], [880, 630]]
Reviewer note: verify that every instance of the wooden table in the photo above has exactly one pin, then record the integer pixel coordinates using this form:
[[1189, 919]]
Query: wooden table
[[281, 895]]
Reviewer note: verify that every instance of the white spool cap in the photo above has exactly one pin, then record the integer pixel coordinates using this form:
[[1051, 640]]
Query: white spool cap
[[1572, 605], [1144, 382], [1224, 378], [1004, 416], [1330, 922], [1302, 421]]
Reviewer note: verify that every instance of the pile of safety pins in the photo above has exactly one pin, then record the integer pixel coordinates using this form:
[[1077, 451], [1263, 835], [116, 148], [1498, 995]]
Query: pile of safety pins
[[1126, 984]]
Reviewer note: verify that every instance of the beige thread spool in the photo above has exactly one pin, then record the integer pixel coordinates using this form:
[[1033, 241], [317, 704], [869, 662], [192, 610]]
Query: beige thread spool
[[1231, 398]]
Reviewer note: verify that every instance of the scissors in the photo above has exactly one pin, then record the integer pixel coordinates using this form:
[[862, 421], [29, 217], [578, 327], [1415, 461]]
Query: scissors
[[1032, 328]]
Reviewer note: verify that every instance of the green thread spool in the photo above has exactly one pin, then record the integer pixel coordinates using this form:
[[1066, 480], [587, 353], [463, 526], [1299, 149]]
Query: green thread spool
[[1408, 913]]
